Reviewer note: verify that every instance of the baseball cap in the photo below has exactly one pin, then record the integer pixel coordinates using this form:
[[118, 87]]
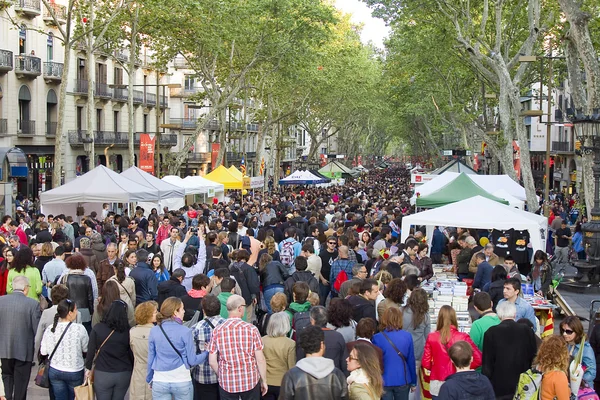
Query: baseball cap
[[19, 208]]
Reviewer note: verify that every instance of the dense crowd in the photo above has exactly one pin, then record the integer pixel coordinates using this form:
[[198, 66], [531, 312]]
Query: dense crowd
[[297, 294]]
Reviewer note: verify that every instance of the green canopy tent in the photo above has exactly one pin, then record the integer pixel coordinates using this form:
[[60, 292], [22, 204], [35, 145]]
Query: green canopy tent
[[459, 189]]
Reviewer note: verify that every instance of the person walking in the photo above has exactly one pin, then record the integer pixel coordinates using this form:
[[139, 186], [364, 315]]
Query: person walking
[[416, 321], [553, 361], [22, 265], [65, 342], [272, 277], [110, 355], [279, 351], [80, 288], [171, 354], [145, 318], [18, 337], [126, 286], [365, 381], [572, 331]]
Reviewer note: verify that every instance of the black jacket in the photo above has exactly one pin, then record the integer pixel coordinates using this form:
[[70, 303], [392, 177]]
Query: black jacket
[[145, 283], [300, 276], [274, 273], [116, 354], [247, 278], [170, 288], [191, 304], [463, 259], [362, 308], [41, 261], [509, 351], [314, 378], [496, 292], [468, 385], [80, 291]]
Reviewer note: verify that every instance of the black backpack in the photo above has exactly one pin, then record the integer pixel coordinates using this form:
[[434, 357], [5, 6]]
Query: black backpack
[[300, 320]]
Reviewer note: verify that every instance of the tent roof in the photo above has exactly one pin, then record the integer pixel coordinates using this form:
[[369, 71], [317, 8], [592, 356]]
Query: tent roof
[[455, 166], [189, 187], [236, 172], [335, 166], [319, 175], [165, 189], [223, 175], [301, 178], [204, 183], [512, 201], [100, 185], [458, 189], [481, 213]]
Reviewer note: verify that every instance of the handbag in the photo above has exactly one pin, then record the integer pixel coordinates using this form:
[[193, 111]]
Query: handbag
[[91, 376], [42, 379], [85, 391], [43, 302], [576, 370]]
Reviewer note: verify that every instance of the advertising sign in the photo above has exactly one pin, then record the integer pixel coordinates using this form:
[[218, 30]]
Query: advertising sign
[[147, 152]]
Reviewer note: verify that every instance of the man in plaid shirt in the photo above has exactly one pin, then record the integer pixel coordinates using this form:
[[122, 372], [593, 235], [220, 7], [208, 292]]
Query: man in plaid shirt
[[235, 354], [206, 385]]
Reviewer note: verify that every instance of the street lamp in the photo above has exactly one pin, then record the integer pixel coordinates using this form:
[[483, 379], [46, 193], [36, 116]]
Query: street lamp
[[587, 130]]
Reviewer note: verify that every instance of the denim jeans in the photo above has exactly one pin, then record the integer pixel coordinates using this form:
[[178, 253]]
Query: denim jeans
[[269, 292], [396, 392], [63, 383], [324, 292], [178, 391]]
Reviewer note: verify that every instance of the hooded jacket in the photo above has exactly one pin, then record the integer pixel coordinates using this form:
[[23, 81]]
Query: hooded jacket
[[170, 288], [468, 385], [314, 378]]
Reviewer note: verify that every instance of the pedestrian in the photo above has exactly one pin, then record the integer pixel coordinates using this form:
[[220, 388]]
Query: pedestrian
[[363, 304], [22, 265], [508, 351], [65, 342], [553, 361], [365, 381], [145, 318], [18, 337], [300, 275], [314, 376], [173, 287], [512, 291], [394, 294], [146, 285], [572, 331], [80, 288], [110, 293], [126, 285], [272, 277], [192, 300], [399, 367], [279, 351], [236, 355], [416, 321], [541, 273], [106, 268], [487, 318], [109, 353], [496, 287], [339, 316]]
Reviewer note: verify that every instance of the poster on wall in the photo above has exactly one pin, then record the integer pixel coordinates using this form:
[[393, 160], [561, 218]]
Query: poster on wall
[[147, 152]]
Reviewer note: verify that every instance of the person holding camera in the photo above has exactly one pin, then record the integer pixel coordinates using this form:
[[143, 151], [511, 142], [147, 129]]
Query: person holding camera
[[191, 260]]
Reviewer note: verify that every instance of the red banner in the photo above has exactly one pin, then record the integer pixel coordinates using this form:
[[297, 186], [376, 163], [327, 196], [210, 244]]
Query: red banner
[[147, 153], [214, 153]]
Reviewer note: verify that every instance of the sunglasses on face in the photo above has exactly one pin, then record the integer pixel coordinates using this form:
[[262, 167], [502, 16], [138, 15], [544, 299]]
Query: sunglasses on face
[[567, 332]]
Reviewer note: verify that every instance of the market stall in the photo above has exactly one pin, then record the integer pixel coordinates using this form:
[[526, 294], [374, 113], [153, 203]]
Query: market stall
[[223, 176], [301, 178], [458, 189]]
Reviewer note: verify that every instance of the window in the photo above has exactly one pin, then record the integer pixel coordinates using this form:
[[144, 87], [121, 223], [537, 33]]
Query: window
[[79, 118], [189, 82], [50, 46], [101, 73], [115, 121], [145, 123], [98, 119], [51, 111], [118, 76], [25, 125], [23, 39]]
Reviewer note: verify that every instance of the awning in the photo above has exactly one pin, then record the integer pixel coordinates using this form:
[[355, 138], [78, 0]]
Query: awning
[[17, 162]]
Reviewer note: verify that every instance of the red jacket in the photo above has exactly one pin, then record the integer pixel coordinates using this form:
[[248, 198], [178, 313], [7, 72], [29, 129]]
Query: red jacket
[[162, 233], [22, 236], [436, 358]]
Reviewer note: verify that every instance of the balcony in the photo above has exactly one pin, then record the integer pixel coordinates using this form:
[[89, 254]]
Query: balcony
[[164, 101], [28, 66], [184, 123], [562, 147], [120, 94], [183, 92], [51, 129], [180, 62], [199, 157], [60, 12], [233, 127], [29, 8], [118, 139], [81, 87], [25, 128], [3, 126], [121, 56], [150, 99], [138, 97], [53, 72], [102, 91], [6, 61]]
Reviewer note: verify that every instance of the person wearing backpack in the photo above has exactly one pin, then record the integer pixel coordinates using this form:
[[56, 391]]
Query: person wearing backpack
[[552, 361], [465, 383], [247, 279], [301, 275], [289, 249], [341, 271], [299, 309]]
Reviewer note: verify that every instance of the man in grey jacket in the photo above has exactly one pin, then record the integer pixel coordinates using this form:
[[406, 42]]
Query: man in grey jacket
[[18, 337]]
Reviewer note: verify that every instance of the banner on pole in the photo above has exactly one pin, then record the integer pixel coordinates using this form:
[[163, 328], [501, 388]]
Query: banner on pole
[[147, 152]]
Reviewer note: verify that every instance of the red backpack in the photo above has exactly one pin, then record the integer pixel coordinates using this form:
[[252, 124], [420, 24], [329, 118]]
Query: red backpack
[[340, 278]]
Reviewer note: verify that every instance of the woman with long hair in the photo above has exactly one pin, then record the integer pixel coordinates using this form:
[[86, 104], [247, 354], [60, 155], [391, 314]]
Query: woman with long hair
[[365, 381], [272, 277], [572, 331], [269, 248], [46, 255], [394, 296], [541, 273], [126, 285], [80, 288], [416, 321], [145, 318], [169, 370], [8, 255], [110, 352], [365, 239], [399, 371], [158, 265], [66, 366], [22, 265], [110, 293], [577, 241], [130, 260], [339, 318], [223, 241], [435, 354], [279, 351], [553, 361]]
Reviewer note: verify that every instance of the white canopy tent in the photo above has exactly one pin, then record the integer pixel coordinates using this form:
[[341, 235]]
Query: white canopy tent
[[187, 186], [209, 187], [480, 213], [490, 183], [512, 201], [165, 189]]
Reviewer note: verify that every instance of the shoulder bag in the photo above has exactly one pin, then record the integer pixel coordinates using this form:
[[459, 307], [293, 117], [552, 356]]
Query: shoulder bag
[[399, 354], [172, 345], [42, 379], [91, 377]]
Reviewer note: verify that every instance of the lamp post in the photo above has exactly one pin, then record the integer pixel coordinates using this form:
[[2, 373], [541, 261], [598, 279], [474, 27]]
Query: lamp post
[[587, 130]]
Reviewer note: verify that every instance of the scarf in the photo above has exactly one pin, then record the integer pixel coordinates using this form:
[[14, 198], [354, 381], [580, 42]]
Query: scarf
[[197, 294], [358, 376]]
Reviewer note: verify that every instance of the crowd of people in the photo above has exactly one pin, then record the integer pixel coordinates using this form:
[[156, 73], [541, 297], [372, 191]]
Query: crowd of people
[[296, 294]]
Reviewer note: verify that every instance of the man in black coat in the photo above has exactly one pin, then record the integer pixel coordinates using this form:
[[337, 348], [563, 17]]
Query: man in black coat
[[172, 287], [363, 304], [508, 350], [301, 275]]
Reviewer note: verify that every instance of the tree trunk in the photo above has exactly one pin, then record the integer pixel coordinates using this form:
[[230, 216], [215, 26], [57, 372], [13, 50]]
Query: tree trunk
[[60, 124], [91, 72], [130, 111]]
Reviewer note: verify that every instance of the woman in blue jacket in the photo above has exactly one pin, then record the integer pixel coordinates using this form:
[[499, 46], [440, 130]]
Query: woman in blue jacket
[[171, 354], [399, 372], [578, 242], [571, 330]]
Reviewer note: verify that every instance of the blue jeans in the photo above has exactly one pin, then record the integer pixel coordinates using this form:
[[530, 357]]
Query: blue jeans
[[63, 383], [324, 292], [396, 392], [269, 292], [178, 391]]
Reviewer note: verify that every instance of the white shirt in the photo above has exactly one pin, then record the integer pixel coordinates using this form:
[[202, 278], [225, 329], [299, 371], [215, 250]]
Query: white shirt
[[69, 354]]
